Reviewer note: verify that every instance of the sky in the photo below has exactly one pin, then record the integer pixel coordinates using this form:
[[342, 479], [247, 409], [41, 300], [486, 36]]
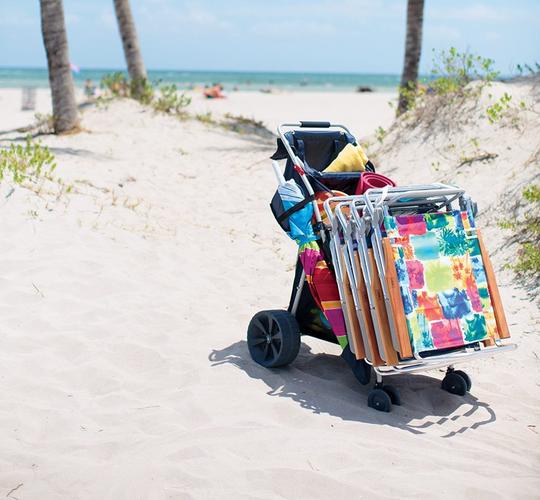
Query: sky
[[343, 36]]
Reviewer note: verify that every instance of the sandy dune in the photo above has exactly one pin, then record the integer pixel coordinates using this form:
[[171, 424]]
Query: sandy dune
[[123, 366]]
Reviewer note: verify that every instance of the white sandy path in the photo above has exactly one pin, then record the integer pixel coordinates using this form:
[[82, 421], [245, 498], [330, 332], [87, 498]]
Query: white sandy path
[[123, 366], [362, 112]]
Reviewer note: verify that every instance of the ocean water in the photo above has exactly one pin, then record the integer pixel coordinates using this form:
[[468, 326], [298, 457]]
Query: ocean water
[[37, 77]]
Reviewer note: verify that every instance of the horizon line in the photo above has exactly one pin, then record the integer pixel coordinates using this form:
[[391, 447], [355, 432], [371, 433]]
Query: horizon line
[[89, 68]]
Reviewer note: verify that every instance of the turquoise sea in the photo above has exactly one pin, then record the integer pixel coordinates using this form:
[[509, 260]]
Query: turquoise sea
[[242, 80]]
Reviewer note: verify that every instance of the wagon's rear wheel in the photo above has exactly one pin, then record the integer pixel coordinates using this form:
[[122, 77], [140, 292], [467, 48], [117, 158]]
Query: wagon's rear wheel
[[379, 400], [273, 338]]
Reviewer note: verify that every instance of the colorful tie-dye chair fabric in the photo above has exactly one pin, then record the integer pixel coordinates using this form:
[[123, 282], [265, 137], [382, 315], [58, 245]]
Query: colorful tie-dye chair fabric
[[442, 280]]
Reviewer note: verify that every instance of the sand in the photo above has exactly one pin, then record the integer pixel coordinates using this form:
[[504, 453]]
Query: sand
[[362, 112], [124, 304]]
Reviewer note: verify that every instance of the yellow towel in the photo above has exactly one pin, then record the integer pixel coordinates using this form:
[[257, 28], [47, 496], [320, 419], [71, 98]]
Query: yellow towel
[[350, 159]]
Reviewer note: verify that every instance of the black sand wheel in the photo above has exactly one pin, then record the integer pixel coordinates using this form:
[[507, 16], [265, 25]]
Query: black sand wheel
[[466, 377], [273, 338], [378, 399], [454, 383]]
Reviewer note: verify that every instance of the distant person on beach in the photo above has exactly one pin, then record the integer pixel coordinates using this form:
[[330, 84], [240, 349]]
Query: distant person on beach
[[214, 92], [89, 89]]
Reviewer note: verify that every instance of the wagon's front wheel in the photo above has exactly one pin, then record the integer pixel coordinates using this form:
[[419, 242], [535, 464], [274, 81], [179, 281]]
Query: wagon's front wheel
[[466, 377], [454, 383], [273, 338]]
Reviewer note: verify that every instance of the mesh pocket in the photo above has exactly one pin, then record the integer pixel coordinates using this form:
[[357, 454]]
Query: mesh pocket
[[282, 216], [276, 205]]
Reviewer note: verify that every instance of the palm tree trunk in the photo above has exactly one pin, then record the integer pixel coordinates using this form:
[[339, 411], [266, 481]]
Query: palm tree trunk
[[413, 49], [132, 51], [53, 28]]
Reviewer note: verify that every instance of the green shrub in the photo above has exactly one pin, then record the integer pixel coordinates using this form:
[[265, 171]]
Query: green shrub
[[528, 231], [527, 69], [116, 84], [411, 93], [242, 124], [453, 71], [141, 90], [28, 161], [532, 193], [497, 110], [206, 118], [170, 100], [529, 259], [380, 133]]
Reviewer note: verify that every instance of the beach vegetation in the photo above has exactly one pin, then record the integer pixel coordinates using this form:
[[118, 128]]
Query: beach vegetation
[[529, 259], [141, 90], [170, 100], [457, 88], [243, 124], [166, 99], [116, 84], [380, 133], [449, 81], [497, 110], [527, 69], [30, 160], [453, 71], [532, 193], [409, 93], [482, 156], [244, 120], [44, 123], [205, 118], [507, 111], [527, 231]]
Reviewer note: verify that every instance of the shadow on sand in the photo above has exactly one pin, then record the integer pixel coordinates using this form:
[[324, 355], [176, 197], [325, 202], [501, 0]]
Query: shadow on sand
[[323, 383]]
